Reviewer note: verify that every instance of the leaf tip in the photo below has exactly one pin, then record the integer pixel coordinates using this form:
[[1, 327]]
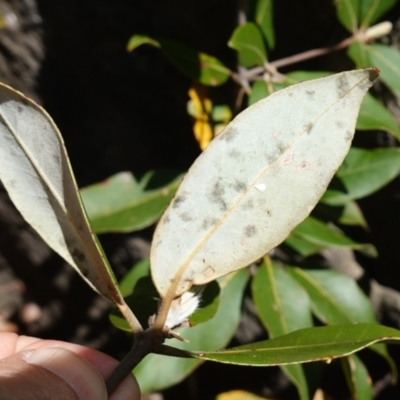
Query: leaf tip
[[373, 73]]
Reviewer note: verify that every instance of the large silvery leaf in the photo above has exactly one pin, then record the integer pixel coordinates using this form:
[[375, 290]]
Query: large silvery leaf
[[35, 170], [257, 180]]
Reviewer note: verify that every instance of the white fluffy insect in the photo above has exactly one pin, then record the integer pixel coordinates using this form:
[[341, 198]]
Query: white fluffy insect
[[182, 308]]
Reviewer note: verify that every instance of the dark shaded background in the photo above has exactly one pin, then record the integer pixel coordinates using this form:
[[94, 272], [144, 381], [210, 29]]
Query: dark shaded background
[[119, 111]]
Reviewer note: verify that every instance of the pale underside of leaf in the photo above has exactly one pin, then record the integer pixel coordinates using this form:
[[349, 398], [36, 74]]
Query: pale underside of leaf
[[256, 181], [35, 170]]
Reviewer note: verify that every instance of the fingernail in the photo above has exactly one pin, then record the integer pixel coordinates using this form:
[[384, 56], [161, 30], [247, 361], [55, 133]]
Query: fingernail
[[84, 379]]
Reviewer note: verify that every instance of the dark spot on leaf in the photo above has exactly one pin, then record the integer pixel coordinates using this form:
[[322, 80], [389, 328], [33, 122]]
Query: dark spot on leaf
[[178, 201], [166, 219], [185, 217], [309, 127], [19, 108], [239, 186], [216, 195], [248, 205], [78, 255], [281, 147], [339, 124], [342, 85], [229, 134], [269, 213], [208, 222], [250, 230], [235, 154], [310, 93]]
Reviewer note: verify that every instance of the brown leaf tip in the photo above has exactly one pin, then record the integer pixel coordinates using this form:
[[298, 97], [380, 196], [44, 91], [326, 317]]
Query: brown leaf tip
[[373, 73]]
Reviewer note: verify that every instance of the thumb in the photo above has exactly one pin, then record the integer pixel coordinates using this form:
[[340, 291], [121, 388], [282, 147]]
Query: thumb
[[49, 373]]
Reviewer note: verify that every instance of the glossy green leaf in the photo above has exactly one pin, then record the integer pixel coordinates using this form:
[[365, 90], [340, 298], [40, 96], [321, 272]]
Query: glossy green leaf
[[303, 246], [335, 298], [348, 13], [248, 42], [358, 53], [362, 173], [372, 10], [35, 170], [121, 204], [275, 293], [387, 59], [156, 372], [199, 66], [358, 378], [265, 20], [269, 172], [321, 235], [306, 345], [373, 115]]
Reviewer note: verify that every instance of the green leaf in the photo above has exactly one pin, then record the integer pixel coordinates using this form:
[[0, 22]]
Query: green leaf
[[352, 215], [196, 65], [143, 301], [247, 40], [274, 293], [156, 372], [347, 13], [137, 40], [259, 90], [322, 235], [372, 10], [306, 345], [358, 378], [270, 171], [358, 53], [209, 303], [264, 19], [362, 173], [303, 246], [387, 59], [373, 115], [335, 298], [139, 270], [121, 204], [35, 170]]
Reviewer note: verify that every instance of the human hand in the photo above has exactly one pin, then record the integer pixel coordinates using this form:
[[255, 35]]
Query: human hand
[[35, 369]]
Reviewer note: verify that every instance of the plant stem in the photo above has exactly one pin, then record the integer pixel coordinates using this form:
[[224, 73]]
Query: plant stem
[[306, 55], [146, 342], [130, 317]]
